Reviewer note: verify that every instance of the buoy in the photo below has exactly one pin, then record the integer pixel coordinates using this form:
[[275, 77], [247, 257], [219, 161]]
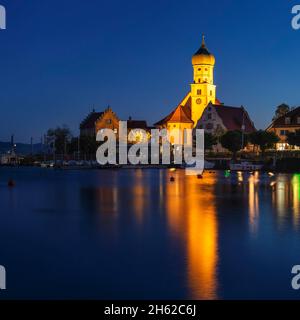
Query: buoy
[[172, 179], [11, 183], [199, 176]]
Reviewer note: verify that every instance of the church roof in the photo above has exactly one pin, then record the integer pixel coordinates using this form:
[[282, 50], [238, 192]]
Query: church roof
[[233, 118], [203, 56], [182, 113], [218, 102], [179, 114], [203, 50]]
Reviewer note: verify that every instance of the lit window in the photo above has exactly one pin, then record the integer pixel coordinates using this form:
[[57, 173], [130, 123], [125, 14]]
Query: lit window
[[298, 120], [287, 120]]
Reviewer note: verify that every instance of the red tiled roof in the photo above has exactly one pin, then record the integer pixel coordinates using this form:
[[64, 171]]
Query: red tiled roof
[[218, 102], [233, 118], [179, 114], [182, 113]]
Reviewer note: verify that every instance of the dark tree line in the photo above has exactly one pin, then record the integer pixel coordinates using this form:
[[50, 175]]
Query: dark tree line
[[61, 141]]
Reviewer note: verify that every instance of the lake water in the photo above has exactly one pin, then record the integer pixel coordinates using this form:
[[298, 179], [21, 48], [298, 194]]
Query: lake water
[[133, 234]]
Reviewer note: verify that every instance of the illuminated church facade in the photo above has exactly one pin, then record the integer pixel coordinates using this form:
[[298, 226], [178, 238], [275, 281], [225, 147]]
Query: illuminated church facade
[[203, 91], [200, 109]]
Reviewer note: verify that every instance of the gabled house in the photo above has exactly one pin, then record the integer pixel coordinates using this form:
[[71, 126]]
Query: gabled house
[[107, 119], [290, 122], [218, 119], [96, 121]]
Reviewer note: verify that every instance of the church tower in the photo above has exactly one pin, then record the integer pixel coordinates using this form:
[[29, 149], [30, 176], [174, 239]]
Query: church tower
[[203, 90]]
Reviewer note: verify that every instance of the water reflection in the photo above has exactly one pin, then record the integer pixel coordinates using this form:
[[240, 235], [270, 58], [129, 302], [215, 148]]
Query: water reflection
[[140, 195], [191, 210], [286, 199], [193, 213], [296, 199], [253, 202]]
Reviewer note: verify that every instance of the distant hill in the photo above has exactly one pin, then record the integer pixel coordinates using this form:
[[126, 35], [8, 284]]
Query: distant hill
[[22, 148]]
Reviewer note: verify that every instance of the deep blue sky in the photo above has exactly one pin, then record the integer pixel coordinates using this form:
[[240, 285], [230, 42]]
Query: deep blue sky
[[59, 58]]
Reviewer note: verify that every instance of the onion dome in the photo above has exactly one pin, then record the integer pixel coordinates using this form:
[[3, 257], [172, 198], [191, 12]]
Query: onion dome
[[203, 56]]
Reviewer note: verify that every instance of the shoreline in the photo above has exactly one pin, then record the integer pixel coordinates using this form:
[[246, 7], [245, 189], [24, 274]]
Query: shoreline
[[145, 167]]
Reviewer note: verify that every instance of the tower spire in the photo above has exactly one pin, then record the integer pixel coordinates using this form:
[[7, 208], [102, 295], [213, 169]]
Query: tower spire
[[203, 41]]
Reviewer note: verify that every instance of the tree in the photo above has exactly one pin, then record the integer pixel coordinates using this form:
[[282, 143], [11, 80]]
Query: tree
[[88, 145], [281, 111], [232, 141], [293, 138], [263, 139], [61, 137], [209, 141]]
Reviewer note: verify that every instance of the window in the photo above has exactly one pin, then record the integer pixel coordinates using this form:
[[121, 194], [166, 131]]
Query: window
[[199, 80], [206, 69], [209, 116], [108, 121], [283, 132], [199, 92], [199, 69], [298, 120], [287, 120], [209, 126], [211, 92]]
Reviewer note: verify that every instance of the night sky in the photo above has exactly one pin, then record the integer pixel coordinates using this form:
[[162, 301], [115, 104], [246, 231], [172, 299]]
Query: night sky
[[61, 58]]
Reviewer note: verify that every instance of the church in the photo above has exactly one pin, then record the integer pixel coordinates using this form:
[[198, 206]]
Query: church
[[192, 111], [200, 109]]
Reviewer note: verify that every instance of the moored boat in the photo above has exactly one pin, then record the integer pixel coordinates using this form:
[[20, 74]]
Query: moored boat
[[245, 166]]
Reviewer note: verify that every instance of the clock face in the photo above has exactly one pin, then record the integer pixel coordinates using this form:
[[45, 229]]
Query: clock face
[[198, 101]]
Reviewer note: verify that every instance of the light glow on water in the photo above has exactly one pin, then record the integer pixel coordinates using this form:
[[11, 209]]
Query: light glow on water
[[149, 237]]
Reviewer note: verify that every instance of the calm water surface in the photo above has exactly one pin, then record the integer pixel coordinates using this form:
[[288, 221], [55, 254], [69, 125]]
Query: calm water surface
[[134, 234]]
